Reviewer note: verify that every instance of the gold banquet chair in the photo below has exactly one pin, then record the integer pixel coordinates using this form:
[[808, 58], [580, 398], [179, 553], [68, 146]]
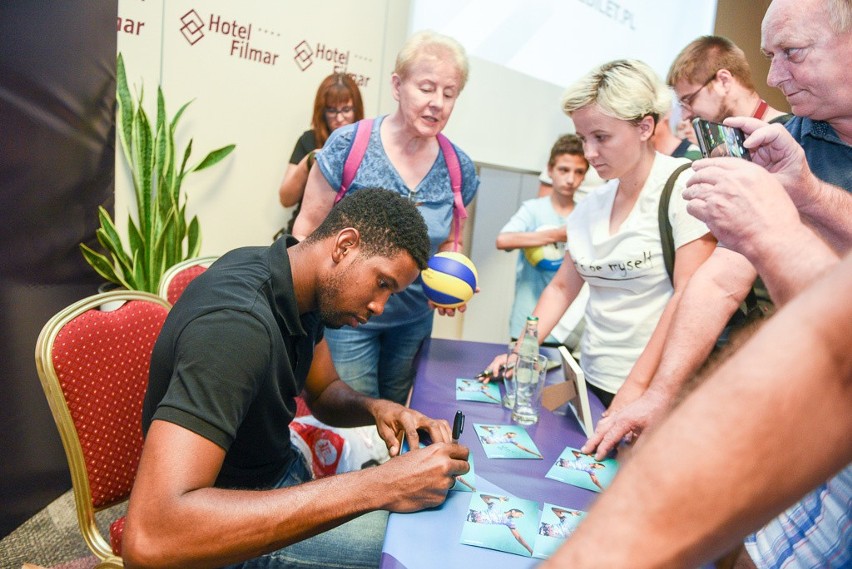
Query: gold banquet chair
[[176, 278], [93, 359]]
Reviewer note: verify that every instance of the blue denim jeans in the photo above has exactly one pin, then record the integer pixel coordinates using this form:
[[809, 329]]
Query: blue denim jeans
[[354, 545], [378, 363]]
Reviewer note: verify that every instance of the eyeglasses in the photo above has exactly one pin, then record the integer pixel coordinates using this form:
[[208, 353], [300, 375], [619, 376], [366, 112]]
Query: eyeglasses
[[687, 100], [331, 112]]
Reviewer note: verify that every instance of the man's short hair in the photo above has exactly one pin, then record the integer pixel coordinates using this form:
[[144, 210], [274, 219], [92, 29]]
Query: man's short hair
[[388, 224], [702, 58], [566, 144], [840, 15]]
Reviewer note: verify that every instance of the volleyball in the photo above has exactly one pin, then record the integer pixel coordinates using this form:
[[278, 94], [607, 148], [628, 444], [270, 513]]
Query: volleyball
[[450, 280], [545, 257]]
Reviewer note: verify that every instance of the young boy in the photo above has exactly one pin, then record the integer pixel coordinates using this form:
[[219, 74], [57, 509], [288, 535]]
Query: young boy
[[541, 222]]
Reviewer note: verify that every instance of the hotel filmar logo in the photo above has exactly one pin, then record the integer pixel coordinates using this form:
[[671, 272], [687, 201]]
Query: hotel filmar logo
[[242, 38]]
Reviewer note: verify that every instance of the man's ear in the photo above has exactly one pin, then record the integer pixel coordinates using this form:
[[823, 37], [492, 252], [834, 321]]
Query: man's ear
[[346, 243], [724, 78]]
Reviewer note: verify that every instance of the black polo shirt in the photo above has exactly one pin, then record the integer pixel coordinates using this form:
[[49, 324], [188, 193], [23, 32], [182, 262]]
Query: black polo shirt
[[232, 355]]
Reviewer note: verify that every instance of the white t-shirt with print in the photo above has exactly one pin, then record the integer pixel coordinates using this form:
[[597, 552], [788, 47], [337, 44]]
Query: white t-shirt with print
[[628, 283]]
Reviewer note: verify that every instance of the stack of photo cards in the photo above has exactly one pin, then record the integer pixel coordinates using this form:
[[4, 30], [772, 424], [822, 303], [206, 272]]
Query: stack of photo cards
[[556, 525], [582, 470], [506, 441], [475, 390], [515, 525]]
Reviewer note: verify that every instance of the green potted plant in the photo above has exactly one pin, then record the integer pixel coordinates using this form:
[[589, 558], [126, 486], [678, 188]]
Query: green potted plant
[[160, 236]]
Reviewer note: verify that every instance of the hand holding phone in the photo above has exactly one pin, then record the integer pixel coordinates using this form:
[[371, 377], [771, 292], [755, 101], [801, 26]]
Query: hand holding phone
[[716, 139]]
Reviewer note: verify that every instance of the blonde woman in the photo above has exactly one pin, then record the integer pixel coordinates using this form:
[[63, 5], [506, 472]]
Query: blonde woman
[[614, 243]]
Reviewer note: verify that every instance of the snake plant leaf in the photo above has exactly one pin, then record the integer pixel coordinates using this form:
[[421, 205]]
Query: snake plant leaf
[[165, 199], [145, 157], [134, 237], [140, 273], [175, 177], [120, 260], [193, 238], [109, 238], [186, 154], [125, 112], [102, 265], [180, 218], [162, 159], [163, 244], [214, 157], [176, 118]]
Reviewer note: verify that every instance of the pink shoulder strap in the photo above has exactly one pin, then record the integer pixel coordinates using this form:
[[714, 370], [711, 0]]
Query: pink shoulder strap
[[363, 128], [454, 168]]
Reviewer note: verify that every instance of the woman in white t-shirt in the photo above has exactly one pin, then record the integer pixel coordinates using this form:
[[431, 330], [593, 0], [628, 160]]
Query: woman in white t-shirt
[[614, 242]]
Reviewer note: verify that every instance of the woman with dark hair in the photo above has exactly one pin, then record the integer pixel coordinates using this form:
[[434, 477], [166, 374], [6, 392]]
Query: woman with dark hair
[[337, 103]]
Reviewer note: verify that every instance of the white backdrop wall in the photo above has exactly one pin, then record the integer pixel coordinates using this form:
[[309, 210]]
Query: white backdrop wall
[[261, 101], [522, 54]]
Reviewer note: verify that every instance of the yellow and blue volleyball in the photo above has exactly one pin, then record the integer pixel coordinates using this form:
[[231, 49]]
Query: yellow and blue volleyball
[[545, 257], [450, 280]]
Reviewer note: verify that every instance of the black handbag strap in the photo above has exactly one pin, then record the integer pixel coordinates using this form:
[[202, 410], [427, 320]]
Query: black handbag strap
[[666, 236], [754, 306]]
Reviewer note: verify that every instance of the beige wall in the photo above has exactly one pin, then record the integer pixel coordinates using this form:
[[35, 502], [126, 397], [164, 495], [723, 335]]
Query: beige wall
[[740, 21]]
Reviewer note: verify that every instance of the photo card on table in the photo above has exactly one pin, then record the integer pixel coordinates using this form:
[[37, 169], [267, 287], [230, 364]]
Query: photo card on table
[[475, 390], [556, 525], [582, 470], [503, 523], [506, 441]]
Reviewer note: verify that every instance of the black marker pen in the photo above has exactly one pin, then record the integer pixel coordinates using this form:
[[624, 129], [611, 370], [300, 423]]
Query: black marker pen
[[458, 426]]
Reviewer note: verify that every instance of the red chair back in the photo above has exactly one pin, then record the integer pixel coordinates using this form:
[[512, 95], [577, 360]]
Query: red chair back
[[181, 280], [177, 277], [93, 364]]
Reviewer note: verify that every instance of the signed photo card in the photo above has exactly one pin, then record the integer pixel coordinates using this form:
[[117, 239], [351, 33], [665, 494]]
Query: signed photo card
[[574, 467], [501, 522], [475, 390], [506, 441], [556, 525]]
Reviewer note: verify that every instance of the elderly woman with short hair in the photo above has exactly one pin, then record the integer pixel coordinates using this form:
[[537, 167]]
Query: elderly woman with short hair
[[403, 154]]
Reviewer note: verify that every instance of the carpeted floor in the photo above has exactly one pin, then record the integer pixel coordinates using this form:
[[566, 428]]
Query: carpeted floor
[[52, 538]]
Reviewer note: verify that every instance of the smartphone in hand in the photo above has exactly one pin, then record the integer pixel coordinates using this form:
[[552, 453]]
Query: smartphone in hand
[[716, 139]]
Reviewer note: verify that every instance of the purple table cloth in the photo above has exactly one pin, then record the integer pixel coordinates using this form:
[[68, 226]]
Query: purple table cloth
[[430, 538]]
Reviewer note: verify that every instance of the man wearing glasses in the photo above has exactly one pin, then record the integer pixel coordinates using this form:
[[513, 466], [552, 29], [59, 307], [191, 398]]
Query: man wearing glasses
[[712, 80]]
